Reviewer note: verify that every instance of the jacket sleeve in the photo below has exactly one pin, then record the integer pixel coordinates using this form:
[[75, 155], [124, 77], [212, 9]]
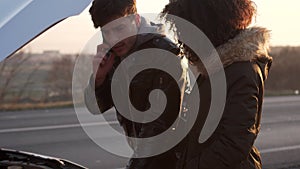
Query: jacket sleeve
[[99, 98], [154, 128], [237, 130], [173, 90]]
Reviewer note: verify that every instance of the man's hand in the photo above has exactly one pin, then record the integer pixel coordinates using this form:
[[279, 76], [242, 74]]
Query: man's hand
[[102, 64]]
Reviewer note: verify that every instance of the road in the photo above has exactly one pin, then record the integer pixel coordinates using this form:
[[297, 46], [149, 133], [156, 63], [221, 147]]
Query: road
[[279, 138], [58, 133]]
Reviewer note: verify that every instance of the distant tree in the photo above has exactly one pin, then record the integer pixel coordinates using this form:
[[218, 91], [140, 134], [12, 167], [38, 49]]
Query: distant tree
[[59, 80], [29, 81], [284, 74], [10, 68]]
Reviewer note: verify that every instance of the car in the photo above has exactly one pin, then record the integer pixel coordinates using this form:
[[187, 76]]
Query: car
[[21, 22], [12, 159]]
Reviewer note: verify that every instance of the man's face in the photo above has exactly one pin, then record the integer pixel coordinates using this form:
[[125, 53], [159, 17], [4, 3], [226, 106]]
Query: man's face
[[118, 30]]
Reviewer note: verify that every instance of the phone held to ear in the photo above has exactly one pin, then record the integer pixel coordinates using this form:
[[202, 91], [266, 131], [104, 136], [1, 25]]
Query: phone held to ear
[[108, 54]]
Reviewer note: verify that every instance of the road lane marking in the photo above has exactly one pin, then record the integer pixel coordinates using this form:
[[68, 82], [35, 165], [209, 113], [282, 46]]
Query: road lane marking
[[277, 149], [27, 129]]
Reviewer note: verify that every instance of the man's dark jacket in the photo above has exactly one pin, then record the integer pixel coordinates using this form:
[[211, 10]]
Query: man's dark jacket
[[140, 87]]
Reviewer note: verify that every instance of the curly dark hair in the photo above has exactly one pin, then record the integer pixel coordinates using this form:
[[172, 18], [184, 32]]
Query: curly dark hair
[[103, 10], [219, 20]]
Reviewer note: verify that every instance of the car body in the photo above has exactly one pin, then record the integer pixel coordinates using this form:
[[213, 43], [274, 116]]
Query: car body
[[20, 22]]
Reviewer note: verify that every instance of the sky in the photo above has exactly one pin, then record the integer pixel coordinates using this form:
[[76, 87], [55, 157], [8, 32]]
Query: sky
[[71, 35]]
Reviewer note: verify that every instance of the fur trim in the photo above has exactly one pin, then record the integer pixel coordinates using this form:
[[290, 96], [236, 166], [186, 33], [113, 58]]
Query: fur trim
[[250, 45]]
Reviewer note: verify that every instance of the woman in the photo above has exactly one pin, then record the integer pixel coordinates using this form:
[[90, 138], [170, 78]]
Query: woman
[[243, 52]]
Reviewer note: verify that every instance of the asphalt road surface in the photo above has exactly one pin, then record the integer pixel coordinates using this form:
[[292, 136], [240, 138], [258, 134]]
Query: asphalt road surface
[[58, 133]]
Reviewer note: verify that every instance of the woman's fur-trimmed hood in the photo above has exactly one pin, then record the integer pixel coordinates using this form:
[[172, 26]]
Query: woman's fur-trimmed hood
[[251, 44]]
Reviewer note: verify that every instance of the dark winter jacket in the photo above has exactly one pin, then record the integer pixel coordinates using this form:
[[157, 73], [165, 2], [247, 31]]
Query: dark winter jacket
[[140, 87], [246, 65]]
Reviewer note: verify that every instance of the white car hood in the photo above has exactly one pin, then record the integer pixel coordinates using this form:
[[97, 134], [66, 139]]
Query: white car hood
[[23, 20]]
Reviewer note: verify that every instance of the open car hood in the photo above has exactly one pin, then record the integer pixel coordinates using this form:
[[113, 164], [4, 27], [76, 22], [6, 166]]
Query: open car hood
[[23, 20], [20, 22]]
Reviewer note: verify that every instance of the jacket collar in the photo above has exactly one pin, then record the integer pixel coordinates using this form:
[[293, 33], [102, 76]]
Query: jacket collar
[[147, 31], [251, 44]]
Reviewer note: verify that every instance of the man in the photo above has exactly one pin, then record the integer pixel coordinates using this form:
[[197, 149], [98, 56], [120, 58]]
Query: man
[[105, 63]]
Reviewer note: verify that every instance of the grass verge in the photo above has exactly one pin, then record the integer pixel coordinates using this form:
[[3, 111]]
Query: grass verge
[[31, 106]]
